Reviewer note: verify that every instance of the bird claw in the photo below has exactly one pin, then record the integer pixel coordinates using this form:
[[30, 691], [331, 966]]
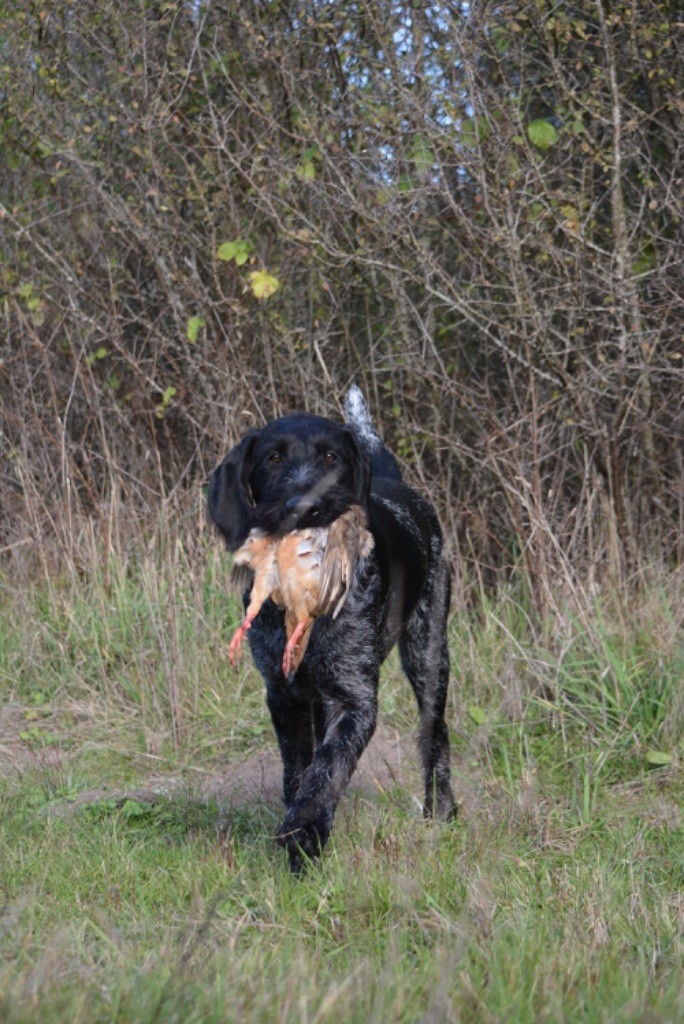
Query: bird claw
[[235, 649], [288, 663], [289, 666]]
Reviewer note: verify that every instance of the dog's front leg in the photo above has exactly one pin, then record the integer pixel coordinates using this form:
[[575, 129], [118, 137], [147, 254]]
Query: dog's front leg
[[309, 818], [294, 722]]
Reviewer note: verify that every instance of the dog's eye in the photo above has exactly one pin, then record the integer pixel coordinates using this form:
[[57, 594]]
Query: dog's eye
[[275, 457], [330, 457]]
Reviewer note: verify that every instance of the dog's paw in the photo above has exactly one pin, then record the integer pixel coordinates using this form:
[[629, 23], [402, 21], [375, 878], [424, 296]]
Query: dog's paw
[[304, 840], [441, 806]]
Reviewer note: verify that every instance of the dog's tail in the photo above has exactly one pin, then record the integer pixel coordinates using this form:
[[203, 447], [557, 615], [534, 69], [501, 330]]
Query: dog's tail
[[359, 419]]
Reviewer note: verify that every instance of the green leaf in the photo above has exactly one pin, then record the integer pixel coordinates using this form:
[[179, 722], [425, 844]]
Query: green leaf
[[239, 250], [542, 134], [99, 353], [307, 171], [501, 39], [164, 404], [228, 251], [312, 153], [478, 714], [473, 131], [658, 758], [423, 157], [263, 284], [195, 325]]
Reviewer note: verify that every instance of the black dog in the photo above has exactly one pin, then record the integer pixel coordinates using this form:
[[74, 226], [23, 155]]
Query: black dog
[[304, 470]]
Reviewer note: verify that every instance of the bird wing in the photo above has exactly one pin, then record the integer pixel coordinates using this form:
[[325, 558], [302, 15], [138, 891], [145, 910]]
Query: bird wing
[[348, 543], [241, 577], [255, 560]]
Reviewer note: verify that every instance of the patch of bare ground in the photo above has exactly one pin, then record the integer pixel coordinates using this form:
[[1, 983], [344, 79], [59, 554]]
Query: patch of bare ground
[[257, 778], [389, 761]]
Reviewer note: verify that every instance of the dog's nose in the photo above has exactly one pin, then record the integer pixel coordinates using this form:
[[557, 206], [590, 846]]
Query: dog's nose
[[303, 503]]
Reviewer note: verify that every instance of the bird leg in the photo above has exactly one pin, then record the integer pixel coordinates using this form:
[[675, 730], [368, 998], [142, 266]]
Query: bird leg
[[235, 649], [290, 660]]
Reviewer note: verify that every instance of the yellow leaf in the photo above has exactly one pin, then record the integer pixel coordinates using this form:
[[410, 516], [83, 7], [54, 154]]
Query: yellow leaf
[[263, 284]]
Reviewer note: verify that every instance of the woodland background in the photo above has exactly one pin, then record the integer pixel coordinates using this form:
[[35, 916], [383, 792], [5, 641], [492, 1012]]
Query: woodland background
[[214, 212]]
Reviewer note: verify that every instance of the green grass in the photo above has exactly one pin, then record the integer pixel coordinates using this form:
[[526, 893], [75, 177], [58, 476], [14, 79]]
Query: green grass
[[556, 896]]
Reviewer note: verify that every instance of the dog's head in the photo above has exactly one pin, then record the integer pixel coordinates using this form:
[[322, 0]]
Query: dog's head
[[295, 472]]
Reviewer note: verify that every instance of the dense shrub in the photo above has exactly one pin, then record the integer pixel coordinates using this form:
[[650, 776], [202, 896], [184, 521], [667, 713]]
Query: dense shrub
[[213, 212]]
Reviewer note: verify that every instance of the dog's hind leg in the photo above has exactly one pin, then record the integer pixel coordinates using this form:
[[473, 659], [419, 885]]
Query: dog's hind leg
[[425, 658]]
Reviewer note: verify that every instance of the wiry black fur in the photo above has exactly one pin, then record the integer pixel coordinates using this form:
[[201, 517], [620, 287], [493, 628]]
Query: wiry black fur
[[304, 470]]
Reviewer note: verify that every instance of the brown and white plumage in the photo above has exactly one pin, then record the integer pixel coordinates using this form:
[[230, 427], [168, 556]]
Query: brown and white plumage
[[256, 558], [307, 572]]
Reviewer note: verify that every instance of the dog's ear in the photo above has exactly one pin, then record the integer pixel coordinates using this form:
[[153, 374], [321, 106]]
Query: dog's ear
[[229, 503], [362, 468]]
